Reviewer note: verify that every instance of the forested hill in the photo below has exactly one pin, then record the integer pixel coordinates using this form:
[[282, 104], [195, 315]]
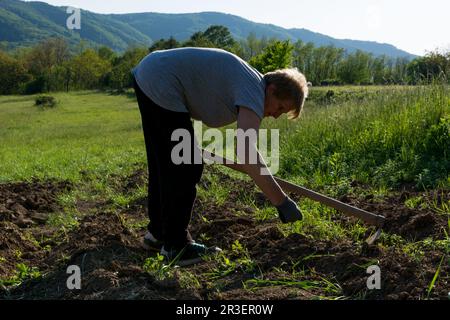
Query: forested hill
[[26, 23]]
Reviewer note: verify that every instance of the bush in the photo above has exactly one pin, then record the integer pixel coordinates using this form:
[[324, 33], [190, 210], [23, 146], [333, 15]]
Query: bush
[[45, 101]]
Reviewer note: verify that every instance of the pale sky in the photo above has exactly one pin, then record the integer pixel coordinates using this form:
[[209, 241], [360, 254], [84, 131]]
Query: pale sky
[[412, 25]]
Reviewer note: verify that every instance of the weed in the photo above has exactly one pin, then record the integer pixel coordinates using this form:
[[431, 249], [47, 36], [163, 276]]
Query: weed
[[224, 267], [187, 280], [243, 257], [433, 281], [156, 267], [22, 273], [67, 220], [414, 202], [136, 225]]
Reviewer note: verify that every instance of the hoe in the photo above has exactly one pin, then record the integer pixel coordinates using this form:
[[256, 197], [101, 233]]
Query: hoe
[[369, 218]]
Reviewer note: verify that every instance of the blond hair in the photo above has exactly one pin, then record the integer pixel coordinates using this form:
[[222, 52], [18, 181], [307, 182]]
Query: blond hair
[[290, 84]]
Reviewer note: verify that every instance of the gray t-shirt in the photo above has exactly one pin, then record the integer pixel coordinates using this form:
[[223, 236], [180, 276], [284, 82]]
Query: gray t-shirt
[[210, 84]]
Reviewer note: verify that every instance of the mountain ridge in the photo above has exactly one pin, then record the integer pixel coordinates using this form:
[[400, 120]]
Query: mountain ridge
[[26, 23]]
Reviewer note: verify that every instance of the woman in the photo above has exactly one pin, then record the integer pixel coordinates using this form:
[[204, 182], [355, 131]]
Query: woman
[[217, 88]]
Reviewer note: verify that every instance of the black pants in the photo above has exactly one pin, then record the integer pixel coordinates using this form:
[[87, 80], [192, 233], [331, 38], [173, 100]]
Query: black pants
[[171, 188]]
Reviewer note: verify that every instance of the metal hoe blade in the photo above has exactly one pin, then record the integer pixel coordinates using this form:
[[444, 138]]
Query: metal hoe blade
[[371, 240]]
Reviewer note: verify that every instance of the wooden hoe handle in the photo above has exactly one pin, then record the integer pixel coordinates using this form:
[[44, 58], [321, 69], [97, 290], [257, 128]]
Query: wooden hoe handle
[[370, 218]]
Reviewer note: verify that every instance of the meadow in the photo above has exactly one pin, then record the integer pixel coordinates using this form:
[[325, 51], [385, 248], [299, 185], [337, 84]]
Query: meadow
[[73, 190]]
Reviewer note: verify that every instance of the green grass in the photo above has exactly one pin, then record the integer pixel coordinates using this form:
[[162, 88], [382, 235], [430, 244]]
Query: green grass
[[88, 132], [435, 277], [398, 136]]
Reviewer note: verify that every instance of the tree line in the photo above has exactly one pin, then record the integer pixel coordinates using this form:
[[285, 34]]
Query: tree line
[[53, 66]]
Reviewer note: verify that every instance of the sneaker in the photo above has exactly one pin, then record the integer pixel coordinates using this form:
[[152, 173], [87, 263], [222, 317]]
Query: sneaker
[[191, 254], [151, 243]]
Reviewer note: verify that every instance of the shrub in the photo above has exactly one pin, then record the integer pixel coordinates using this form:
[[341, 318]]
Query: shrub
[[45, 101]]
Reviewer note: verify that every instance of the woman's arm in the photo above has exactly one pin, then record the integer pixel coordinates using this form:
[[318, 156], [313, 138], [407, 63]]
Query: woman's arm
[[248, 120]]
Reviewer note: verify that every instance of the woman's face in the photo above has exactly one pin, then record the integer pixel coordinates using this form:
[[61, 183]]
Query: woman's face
[[274, 107]]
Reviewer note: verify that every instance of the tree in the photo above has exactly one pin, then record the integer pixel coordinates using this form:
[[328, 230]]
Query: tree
[[239, 50], [106, 53], [214, 37], [121, 76], [42, 62], [12, 74], [109, 56], [303, 59], [220, 37], [430, 67], [277, 55], [378, 70], [251, 46], [198, 39], [87, 69], [254, 45], [163, 44], [354, 69], [400, 70], [324, 64]]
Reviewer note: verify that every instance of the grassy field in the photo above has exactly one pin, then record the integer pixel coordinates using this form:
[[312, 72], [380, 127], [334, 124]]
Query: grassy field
[[380, 136], [385, 149], [87, 131]]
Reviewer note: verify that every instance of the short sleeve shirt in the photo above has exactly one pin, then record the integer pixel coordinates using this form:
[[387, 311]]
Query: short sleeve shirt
[[208, 83]]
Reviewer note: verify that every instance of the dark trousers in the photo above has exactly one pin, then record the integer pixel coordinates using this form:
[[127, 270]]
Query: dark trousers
[[171, 188]]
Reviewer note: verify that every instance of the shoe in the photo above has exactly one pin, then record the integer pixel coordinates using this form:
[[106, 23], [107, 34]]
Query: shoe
[[192, 253], [151, 243]]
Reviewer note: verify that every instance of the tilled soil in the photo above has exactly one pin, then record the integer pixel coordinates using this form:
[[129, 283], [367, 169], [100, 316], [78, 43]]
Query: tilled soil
[[27, 204], [24, 210], [109, 252], [412, 224]]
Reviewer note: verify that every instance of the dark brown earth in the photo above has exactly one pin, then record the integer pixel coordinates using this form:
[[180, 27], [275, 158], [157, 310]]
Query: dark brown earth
[[412, 224], [108, 249], [26, 204]]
